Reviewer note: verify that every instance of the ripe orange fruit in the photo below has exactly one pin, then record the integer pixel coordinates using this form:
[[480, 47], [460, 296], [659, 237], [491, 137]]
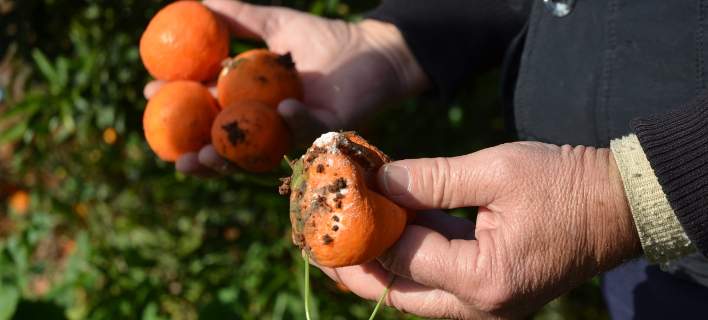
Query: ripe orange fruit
[[178, 119], [19, 202], [259, 75], [184, 41], [252, 135]]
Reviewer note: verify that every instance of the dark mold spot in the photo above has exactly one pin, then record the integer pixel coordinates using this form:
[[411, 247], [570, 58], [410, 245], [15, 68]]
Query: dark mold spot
[[320, 168], [335, 218], [335, 228], [319, 203], [326, 239], [262, 79], [339, 204], [312, 155], [286, 61], [236, 135], [338, 184]]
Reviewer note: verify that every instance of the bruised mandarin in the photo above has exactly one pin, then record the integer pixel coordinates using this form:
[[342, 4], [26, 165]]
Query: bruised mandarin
[[336, 216], [178, 119], [184, 41], [252, 135], [259, 75]]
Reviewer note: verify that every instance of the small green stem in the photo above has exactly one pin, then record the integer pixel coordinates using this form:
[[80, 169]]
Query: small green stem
[[290, 164], [307, 286], [381, 300]]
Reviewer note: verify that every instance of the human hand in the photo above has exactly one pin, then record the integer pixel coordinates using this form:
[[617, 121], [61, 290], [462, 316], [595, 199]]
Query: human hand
[[348, 69], [549, 219]]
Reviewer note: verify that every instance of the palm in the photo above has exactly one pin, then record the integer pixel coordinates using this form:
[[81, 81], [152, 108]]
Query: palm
[[345, 70], [336, 68]]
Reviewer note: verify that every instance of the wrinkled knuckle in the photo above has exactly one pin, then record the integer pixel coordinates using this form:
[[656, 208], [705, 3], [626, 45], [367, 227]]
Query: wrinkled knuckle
[[439, 176]]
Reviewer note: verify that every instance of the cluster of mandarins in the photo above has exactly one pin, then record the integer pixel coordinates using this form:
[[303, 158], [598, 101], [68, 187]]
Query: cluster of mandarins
[[186, 44]]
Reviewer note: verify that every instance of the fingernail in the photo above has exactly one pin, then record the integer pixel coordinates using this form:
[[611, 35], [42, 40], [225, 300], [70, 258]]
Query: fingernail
[[396, 180]]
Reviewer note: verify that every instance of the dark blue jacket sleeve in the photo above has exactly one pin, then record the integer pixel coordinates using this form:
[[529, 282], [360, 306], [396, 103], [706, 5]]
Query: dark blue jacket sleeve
[[453, 39], [676, 144]]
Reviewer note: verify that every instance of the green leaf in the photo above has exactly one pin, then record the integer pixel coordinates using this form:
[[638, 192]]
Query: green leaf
[[317, 8], [45, 67], [151, 312], [28, 107], [62, 72], [14, 133], [9, 298]]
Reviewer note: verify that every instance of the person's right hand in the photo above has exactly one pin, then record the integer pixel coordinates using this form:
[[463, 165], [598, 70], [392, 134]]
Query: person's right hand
[[549, 218], [348, 70]]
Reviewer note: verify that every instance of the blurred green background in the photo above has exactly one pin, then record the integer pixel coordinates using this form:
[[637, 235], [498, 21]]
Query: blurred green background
[[93, 226]]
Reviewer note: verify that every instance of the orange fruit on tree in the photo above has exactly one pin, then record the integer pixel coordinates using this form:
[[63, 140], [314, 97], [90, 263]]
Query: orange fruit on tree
[[184, 41], [19, 201], [178, 119], [252, 135], [259, 75]]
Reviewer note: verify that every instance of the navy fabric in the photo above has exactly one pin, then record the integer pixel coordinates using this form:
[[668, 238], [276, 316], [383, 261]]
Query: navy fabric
[[638, 291], [584, 77], [676, 145], [446, 36], [580, 80]]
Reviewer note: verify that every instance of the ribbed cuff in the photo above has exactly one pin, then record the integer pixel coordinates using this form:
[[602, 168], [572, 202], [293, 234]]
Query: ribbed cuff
[[676, 145], [660, 232]]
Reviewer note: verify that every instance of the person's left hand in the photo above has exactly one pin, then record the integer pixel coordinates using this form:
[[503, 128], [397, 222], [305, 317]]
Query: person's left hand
[[549, 218]]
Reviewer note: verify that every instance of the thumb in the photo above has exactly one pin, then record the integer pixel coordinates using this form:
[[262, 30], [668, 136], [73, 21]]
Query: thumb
[[246, 20], [440, 183]]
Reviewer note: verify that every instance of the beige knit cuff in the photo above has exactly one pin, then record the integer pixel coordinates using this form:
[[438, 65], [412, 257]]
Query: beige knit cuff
[[663, 239]]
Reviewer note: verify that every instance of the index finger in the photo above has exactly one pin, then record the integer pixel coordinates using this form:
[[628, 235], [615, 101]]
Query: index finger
[[370, 280], [243, 19], [429, 258], [153, 86]]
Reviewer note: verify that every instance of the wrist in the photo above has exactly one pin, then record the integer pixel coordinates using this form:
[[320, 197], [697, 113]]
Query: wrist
[[385, 39], [618, 240]]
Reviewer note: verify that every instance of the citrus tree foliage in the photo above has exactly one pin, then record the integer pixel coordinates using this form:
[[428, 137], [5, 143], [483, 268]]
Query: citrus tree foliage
[[113, 233]]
